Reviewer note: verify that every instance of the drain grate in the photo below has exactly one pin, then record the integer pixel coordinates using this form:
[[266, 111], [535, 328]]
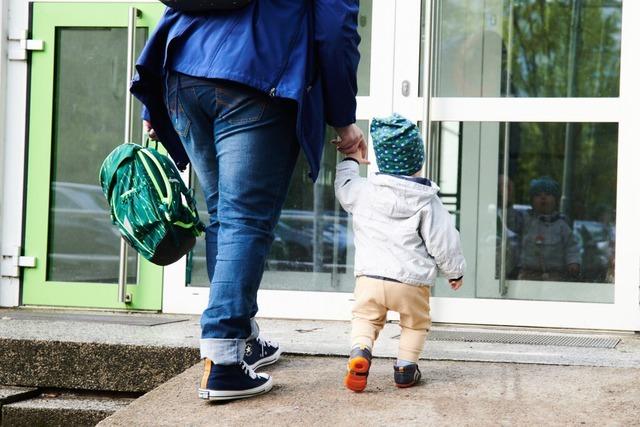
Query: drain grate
[[520, 338]]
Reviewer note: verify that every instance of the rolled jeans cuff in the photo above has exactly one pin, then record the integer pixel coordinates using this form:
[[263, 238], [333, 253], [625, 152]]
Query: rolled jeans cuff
[[223, 351], [227, 351]]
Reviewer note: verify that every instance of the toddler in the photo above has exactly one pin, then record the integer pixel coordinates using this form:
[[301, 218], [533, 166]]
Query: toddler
[[549, 249], [403, 236]]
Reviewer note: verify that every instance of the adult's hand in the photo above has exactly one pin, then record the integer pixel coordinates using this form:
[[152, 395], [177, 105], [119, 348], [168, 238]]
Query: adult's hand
[[350, 139], [149, 130], [360, 154]]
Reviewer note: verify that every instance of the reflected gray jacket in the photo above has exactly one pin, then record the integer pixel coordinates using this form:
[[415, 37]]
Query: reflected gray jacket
[[548, 243], [401, 229]]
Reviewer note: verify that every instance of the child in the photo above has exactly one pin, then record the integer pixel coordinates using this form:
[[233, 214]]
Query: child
[[549, 251], [403, 235]]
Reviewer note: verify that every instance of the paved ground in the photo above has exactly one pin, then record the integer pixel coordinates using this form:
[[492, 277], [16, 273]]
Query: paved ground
[[308, 391], [466, 382]]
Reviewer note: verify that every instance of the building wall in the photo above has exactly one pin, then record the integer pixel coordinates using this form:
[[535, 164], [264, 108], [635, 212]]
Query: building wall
[[4, 39], [13, 78]]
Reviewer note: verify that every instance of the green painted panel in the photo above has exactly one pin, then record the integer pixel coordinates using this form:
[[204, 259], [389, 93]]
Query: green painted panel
[[73, 124]]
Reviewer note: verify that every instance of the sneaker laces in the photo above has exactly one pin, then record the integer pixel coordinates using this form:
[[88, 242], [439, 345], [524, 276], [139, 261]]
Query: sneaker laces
[[265, 343], [247, 370]]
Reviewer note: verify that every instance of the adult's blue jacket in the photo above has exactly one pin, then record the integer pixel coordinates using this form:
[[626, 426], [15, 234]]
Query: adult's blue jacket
[[305, 50]]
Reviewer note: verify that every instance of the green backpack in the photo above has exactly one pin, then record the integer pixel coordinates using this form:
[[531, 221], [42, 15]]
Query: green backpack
[[150, 204]]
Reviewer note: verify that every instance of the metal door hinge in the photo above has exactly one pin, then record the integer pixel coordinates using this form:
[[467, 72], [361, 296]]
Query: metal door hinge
[[12, 263], [25, 44]]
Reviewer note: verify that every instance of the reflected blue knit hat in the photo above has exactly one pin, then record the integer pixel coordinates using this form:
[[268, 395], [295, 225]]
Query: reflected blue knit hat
[[544, 184], [397, 144]]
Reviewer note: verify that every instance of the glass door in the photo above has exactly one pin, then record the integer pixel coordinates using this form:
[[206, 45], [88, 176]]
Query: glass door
[[520, 98], [76, 117], [309, 272], [527, 114]]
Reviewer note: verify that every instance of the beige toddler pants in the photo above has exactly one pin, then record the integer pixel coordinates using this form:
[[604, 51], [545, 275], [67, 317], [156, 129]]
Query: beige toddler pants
[[374, 297]]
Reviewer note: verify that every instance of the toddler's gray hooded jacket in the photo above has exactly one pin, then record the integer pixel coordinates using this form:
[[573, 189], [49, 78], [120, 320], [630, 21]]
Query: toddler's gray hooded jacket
[[401, 229]]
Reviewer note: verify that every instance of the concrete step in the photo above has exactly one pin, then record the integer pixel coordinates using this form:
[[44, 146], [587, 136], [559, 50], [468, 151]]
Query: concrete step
[[308, 391], [10, 394], [91, 366], [94, 351], [62, 409]]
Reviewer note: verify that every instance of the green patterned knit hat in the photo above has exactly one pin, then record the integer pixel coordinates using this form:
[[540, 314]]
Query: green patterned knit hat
[[544, 184], [397, 144]]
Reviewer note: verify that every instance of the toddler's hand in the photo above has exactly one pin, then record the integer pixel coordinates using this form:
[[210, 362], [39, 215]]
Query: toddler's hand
[[455, 284]]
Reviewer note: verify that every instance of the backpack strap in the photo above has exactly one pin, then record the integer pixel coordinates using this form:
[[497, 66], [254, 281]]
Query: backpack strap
[[147, 142], [158, 177], [156, 169]]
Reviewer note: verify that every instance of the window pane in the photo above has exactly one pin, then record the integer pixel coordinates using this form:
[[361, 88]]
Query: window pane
[[552, 237], [88, 123], [196, 274], [313, 243], [364, 29], [528, 48], [561, 198]]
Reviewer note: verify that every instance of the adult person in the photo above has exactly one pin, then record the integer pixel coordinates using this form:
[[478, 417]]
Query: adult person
[[237, 94]]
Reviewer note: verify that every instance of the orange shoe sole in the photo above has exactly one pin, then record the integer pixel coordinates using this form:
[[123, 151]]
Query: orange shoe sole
[[357, 372], [406, 385]]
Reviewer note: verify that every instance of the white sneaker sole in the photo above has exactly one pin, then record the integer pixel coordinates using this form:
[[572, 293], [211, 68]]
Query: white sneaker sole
[[235, 394], [267, 360]]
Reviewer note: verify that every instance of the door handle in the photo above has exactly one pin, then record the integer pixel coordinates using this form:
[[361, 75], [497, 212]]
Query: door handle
[[131, 51], [406, 88], [123, 297]]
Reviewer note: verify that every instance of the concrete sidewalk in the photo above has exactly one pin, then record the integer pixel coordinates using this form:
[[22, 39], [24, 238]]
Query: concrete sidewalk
[[498, 376], [308, 391]]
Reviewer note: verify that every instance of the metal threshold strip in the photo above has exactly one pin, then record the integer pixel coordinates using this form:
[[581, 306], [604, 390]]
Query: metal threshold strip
[[525, 338]]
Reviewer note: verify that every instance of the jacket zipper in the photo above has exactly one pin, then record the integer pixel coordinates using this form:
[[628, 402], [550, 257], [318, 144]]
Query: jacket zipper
[[272, 91]]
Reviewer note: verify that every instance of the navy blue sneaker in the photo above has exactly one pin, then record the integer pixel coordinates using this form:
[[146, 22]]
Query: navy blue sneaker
[[259, 353], [406, 376], [226, 382]]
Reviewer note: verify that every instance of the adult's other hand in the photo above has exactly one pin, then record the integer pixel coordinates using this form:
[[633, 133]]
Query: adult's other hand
[[149, 130]]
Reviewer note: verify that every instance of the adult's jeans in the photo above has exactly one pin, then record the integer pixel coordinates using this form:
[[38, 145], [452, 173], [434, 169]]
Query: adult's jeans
[[242, 145]]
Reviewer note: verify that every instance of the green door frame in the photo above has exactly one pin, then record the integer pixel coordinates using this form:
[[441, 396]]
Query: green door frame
[[36, 290]]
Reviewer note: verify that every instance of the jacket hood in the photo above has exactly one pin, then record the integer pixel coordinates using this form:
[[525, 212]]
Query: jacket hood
[[399, 196]]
